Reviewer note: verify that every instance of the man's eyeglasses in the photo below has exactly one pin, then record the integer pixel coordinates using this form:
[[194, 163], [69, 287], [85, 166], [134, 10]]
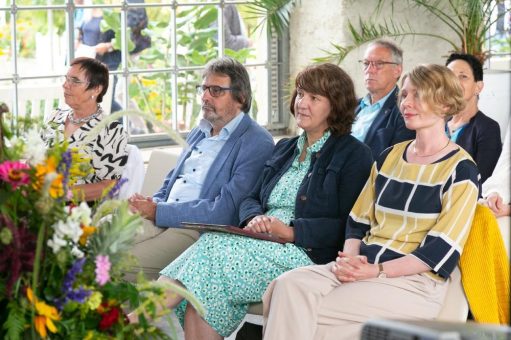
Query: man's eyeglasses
[[214, 90], [73, 81], [378, 64]]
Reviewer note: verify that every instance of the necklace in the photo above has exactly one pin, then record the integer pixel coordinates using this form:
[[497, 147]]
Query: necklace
[[417, 154], [80, 121]]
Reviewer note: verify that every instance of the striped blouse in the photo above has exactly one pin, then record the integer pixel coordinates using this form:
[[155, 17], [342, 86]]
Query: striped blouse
[[107, 151], [421, 209]]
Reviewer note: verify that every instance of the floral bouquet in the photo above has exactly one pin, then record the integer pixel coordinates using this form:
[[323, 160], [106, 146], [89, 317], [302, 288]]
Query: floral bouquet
[[62, 263]]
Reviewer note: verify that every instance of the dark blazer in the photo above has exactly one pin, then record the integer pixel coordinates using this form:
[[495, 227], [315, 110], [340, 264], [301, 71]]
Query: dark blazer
[[481, 139], [326, 195], [388, 128], [230, 178]]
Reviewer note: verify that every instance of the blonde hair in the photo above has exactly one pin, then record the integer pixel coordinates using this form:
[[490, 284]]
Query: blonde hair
[[438, 87]]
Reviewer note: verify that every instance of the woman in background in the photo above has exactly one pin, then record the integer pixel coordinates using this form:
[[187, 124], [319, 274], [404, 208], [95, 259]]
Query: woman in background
[[471, 129]]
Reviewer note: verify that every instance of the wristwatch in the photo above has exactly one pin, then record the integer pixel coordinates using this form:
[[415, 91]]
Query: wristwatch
[[381, 273]]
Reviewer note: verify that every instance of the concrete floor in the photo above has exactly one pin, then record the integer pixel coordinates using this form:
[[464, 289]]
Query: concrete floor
[[180, 334]]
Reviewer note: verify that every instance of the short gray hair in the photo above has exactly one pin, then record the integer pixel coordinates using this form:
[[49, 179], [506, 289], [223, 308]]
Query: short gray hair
[[395, 50], [237, 73]]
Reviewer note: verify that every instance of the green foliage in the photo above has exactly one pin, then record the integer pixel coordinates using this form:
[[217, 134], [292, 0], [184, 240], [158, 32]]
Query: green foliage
[[15, 321], [275, 13]]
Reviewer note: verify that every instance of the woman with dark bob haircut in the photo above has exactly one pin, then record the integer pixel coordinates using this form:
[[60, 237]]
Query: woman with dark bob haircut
[[471, 129], [84, 86], [303, 197]]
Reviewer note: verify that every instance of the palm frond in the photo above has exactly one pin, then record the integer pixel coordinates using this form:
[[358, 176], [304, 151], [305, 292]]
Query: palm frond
[[274, 13]]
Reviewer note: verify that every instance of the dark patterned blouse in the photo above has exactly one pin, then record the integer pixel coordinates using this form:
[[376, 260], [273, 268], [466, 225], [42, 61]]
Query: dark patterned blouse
[[107, 151]]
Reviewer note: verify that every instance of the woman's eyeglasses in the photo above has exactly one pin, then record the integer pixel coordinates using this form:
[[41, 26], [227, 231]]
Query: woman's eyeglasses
[[73, 81], [214, 90]]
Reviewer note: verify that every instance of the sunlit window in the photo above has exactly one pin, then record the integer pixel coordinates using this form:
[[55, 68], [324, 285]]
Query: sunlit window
[[155, 51]]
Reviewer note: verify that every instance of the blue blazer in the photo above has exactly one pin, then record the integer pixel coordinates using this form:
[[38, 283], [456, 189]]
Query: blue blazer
[[229, 180], [481, 139], [388, 128], [326, 195]]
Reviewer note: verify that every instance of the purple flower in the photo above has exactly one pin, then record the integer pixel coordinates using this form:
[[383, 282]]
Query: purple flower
[[69, 294], [65, 165], [114, 192]]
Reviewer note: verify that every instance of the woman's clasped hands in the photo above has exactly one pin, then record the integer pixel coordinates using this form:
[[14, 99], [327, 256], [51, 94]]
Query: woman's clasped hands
[[349, 268], [271, 225]]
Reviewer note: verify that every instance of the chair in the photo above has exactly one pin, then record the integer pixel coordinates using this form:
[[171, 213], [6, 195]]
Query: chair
[[133, 172], [160, 163]]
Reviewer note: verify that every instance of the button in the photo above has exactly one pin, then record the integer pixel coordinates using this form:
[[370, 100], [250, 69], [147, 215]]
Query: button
[[177, 199], [303, 198], [193, 170], [309, 174], [318, 154], [184, 181]]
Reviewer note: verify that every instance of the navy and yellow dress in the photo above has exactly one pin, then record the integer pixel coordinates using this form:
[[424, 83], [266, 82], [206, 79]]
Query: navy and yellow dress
[[228, 272]]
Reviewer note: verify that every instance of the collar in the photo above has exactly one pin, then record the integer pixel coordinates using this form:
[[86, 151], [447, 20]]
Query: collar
[[366, 101], [205, 126]]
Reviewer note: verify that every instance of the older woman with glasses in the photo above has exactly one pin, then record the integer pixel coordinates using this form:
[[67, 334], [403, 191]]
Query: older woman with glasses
[[303, 197], [84, 86]]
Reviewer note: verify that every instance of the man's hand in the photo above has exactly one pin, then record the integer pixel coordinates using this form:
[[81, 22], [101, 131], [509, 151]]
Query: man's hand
[[143, 205], [271, 225], [349, 268]]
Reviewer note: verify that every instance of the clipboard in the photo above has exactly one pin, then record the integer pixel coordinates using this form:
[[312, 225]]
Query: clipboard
[[229, 229]]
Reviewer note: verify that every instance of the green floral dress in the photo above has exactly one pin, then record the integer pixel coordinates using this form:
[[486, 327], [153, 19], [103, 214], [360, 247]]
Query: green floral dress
[[228, 272]]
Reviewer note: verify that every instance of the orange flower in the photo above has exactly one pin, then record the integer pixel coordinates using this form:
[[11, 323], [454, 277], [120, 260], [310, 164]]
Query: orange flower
[[46, 314], [87, 231], [56, 188]]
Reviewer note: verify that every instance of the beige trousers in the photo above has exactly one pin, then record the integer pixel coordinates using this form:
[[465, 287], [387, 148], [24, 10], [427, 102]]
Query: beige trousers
[[156, 247], [310, 303]]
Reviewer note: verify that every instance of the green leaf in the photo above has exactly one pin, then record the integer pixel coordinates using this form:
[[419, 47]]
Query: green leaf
[[14, 325]]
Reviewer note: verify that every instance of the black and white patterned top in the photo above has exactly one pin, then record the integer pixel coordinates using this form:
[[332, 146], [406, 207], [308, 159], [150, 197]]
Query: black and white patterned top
[[107, 151]]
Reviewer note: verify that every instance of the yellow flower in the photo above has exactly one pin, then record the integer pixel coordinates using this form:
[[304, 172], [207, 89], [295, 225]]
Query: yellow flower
[[152, 95], [148, 82], [46, 314], [87, 231], [47, 171], [94, 300]]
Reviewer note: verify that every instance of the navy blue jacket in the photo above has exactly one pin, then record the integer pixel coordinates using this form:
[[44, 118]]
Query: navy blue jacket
[[326, 195], [481, 139], [388, 128]]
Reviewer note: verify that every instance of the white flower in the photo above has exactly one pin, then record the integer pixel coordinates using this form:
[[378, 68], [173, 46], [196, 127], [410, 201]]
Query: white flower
[[69, 228], [77, 252], [56, 243], [81, 214], [35, 148]]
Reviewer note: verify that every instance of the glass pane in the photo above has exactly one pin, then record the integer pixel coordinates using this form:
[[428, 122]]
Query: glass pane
[[5, 45], [152, 43], [41, 42], [260, 94], [196, 34], [150, 93], [189, 106]]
